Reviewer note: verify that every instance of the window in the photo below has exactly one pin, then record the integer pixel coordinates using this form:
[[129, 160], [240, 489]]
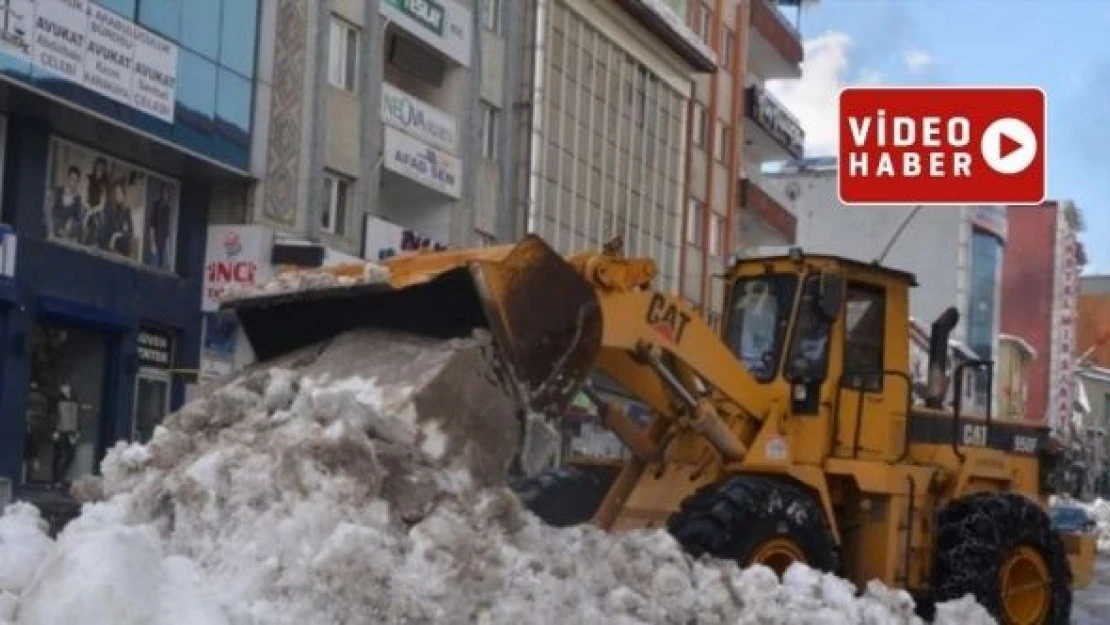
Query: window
[[491, 15], [695, 214], [239, 31], [162, 16], [704, 17], [233, 106], [489, 131], [809, 353], [700, 120], [126, 8], [333, 213], [722, 145], [155, 349], [726, 47], [863, 339], [196, 91], [756, 321], [986, 254], [342, 54], [197, 20], [716, 234]]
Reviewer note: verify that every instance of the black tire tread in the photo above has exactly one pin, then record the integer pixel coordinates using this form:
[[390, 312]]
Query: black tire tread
[[975, 532], [562, 496], [729, 518]]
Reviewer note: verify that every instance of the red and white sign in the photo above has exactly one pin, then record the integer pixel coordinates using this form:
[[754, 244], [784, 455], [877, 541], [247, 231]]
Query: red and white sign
[[236, 255], [942, 146]]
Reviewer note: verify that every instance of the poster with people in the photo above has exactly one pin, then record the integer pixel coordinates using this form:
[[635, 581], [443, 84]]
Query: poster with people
[[105, 204]]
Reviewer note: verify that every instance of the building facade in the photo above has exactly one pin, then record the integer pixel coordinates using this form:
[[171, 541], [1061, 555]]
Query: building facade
[[1015, 357], [736, 126], [122, 122], [1093, 324], [1041, 266]]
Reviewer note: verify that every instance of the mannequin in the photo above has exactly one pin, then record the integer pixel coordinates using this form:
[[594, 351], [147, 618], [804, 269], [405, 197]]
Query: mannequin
[[65, 436]]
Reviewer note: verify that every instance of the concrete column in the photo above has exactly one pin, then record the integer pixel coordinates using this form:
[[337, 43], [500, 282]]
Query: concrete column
[[318, 126], [371, 74]]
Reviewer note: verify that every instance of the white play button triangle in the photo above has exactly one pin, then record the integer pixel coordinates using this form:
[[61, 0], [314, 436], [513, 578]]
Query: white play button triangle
[[1009, 146]]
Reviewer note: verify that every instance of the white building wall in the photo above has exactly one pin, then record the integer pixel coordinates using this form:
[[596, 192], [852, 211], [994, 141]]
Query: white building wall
[[933, 244]]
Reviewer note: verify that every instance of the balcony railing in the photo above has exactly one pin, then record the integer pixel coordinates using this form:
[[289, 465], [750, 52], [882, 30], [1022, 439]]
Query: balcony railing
[[780, 33], [763, 205], [762, 108]]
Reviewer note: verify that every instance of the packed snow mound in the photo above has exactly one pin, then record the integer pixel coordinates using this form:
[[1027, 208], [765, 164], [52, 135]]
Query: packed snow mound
[[363, 481]]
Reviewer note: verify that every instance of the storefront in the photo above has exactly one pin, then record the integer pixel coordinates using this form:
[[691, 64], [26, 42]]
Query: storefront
[[112, 155]]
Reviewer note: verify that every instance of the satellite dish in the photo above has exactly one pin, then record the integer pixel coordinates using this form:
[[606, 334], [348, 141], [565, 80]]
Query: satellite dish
[[793, 190]]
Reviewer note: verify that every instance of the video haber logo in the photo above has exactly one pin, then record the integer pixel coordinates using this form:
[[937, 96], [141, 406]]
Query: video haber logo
[[942, 146]]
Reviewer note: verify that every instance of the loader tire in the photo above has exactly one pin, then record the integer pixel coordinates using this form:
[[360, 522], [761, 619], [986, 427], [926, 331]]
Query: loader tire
[[756, 520], [562, 496], [987, 542]]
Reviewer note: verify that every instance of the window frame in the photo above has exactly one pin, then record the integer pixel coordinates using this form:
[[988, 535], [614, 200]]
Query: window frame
[[336, 215], [346, 65], [726, 46], [695, 217], [491, 15], [860, 382], [721, 147], [699, 119]]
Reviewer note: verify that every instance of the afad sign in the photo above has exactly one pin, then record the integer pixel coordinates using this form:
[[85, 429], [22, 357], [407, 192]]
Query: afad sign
[[236, 255]]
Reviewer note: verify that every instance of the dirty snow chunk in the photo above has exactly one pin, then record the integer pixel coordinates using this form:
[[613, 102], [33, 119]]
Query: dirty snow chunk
[[9, 603], [23, 546]]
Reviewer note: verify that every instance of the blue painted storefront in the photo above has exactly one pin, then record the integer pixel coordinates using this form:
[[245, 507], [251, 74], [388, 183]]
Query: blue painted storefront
[[81, 290]]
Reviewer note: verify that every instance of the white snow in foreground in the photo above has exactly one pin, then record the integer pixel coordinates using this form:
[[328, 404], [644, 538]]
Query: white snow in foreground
[[268, 503]]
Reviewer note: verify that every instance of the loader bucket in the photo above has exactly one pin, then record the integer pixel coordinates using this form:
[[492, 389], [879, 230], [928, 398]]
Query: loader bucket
[[544, 318]]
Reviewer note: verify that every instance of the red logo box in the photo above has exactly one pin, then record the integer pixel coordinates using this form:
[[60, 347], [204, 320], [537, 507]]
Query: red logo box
[[942, 145]]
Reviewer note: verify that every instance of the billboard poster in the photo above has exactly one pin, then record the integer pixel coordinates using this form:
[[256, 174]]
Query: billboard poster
[[235, 256], [110, 207]]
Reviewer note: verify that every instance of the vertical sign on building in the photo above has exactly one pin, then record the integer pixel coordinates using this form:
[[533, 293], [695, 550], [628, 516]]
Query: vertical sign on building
[[1061, 382]]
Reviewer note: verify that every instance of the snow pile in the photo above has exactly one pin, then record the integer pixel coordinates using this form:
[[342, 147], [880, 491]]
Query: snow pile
[[1099, 512], [364, 482]]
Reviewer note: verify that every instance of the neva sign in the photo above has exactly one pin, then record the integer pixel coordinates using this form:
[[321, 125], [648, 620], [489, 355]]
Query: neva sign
[[419, 119], [442, 24]]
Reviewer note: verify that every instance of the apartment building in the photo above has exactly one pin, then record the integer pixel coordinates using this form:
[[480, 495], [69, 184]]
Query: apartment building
[[736, 127], [1040, 293]]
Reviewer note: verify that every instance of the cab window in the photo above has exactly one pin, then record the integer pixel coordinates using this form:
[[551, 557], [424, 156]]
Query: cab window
[[758, 315], [864, 313]]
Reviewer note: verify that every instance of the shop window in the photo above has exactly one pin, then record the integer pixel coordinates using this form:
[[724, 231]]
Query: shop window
[[152, 384], [333, 212], [65, 411], [110, 207], [342, 54]]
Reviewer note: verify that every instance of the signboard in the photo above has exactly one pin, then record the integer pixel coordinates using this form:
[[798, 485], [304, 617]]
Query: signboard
[[421, 120], [110, 207], [1064, 326], [442, 24], [95, 48], [236, 255], [155, 348], [777, 121], [422, 163], [383, 239], [941, 146]]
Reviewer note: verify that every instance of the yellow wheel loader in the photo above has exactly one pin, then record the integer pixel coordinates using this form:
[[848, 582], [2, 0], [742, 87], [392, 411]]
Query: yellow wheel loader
[[791, 436]]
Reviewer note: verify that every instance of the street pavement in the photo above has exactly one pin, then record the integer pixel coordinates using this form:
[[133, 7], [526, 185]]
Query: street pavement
[[1091, 605]]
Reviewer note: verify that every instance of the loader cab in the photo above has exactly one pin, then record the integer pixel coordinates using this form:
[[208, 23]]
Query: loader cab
[[828, 335]]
